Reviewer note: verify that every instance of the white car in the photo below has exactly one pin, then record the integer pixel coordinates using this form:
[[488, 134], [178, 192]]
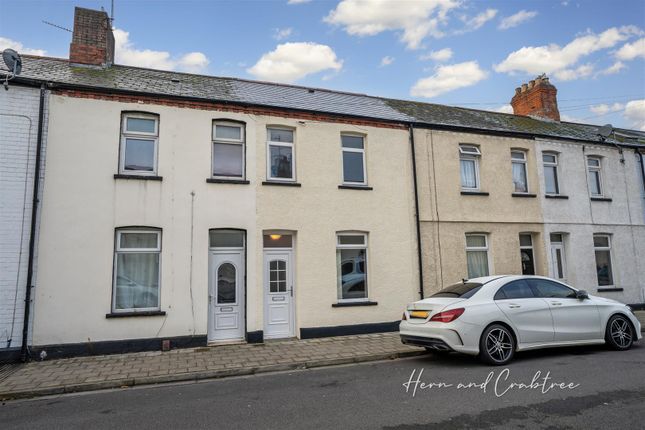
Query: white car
[[495, 316]]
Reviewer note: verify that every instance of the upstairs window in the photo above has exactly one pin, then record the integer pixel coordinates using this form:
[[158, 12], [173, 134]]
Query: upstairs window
[[228, 150], [594, 176], [280, 160], [139, 141], [518, 162], [469, 164], [550, 163], [353, 159]]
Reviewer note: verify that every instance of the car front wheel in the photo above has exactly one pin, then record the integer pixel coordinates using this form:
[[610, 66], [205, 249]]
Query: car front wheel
[[619, 334], [497, 345]]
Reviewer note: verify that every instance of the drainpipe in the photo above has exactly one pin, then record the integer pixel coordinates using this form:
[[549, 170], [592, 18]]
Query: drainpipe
[[24, 354], [640, 155], [416, 210]]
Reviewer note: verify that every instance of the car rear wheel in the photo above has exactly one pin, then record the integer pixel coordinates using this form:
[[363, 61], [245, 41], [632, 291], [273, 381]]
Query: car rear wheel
[[619, 334], [497, 345]]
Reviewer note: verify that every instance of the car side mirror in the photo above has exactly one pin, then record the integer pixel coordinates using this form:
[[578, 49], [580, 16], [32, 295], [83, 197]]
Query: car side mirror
[[581, 295]]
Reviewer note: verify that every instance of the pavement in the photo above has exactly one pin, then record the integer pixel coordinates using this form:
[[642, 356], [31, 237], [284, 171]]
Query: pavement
[[609, 393], [193, 364]]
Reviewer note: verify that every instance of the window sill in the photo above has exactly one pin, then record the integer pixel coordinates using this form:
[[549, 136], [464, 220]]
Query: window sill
[[348, 304], [556, 196], [609, 289], [524, 195], [142, 177], [600, 199], [474, 193], [355, 187], [135, 314], [227, 181], [282, 184]]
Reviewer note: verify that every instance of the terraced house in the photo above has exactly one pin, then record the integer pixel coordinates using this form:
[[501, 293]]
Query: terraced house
[[185, 210]]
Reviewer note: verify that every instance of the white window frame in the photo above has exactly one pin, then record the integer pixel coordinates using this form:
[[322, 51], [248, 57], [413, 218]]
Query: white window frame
[[596, 169], [355, 150], [367, 259], [553, 164], [118, 250], [479, 249], [611, 260], [291, 145], [241, 141], [470, 153], [523, 162], [138, 135], [554, 246]]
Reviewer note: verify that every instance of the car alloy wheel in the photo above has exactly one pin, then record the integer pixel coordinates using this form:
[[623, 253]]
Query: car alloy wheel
[[497, 345], [619, 333]]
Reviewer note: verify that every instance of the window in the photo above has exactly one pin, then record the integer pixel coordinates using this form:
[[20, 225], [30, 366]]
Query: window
[[136, 270], [602, 248], [226, 284], [550, 290], [520, 181], [228, 150], [558, 263], [274, 240], [469, 165], [280, 160], [477, 255], [594, 176], [139, 139], [353, 159], [351, 265], [463, 290], [526, 254], [514, 290], [220, 238], [550, 162]]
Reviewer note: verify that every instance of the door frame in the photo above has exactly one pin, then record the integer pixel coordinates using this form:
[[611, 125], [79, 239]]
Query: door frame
[[292, 303], [243, 303]]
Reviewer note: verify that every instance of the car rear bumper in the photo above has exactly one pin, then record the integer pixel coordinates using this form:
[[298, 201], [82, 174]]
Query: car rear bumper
[[439, 336]]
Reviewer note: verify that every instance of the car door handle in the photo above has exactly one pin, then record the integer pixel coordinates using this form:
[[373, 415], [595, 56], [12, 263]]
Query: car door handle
[[514, 305], [556, 303]]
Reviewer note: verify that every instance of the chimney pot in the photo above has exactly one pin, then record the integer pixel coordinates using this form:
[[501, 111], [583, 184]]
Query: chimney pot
[[537, 98], [92, 39], [524, 87]]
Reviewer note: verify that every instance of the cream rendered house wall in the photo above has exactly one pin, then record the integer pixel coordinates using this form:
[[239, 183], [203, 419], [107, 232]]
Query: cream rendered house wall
[[447, 215], [83, 204], [578, 217]]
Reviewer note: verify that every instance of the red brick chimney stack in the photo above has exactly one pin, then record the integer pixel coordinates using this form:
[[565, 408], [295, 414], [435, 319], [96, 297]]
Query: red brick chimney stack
[[537, 98], [92, 40]]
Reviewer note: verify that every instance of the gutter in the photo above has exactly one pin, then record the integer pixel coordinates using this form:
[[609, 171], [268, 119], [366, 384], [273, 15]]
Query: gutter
[[24, 352], [416, 211]]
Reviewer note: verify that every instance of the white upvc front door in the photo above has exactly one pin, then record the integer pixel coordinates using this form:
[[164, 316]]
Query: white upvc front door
[[279, 318], [226, 296], [558, 263]]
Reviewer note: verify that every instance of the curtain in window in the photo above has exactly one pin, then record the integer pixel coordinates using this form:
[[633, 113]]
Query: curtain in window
[[519, 177], [551, 179], [477, 263], [468, 174], [137, 281], [594, 182]]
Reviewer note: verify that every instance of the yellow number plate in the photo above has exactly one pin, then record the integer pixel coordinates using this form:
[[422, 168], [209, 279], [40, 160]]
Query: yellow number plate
[[419, 314]]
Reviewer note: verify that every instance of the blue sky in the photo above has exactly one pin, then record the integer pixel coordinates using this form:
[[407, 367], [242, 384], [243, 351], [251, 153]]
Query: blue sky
[[458, 52]]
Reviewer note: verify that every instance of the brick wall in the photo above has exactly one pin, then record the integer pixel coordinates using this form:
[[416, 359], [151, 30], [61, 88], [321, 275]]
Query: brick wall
[[92, 40], [18, 135]]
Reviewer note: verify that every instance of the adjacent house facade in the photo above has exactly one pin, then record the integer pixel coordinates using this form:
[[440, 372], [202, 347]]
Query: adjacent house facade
[[202, 210]]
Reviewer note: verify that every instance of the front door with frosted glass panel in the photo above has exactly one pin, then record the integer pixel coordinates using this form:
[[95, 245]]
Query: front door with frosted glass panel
[[226, 296], [278, 295]]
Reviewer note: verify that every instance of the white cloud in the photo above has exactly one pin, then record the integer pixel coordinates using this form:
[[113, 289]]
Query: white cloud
[[282, 33], [448, 78], [417, 19], [386, 61], [479, 20], [298, 1], [613, 69], [635, 114], [289, 62], [569, 118], [516, 19], [552, 58], [570, 74], [629, 51], [603, 109], [441, 55], [126, 53], [19, 47], [505, 109]]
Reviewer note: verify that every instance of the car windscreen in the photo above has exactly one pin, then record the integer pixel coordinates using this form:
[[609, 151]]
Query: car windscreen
[[461, 290]]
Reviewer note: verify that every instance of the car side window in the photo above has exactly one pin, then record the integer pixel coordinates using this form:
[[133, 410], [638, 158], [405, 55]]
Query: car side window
[[549, 289], [515, 290]]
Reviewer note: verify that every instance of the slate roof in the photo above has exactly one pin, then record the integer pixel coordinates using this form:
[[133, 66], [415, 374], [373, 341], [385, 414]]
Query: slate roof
[[233, 90]]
